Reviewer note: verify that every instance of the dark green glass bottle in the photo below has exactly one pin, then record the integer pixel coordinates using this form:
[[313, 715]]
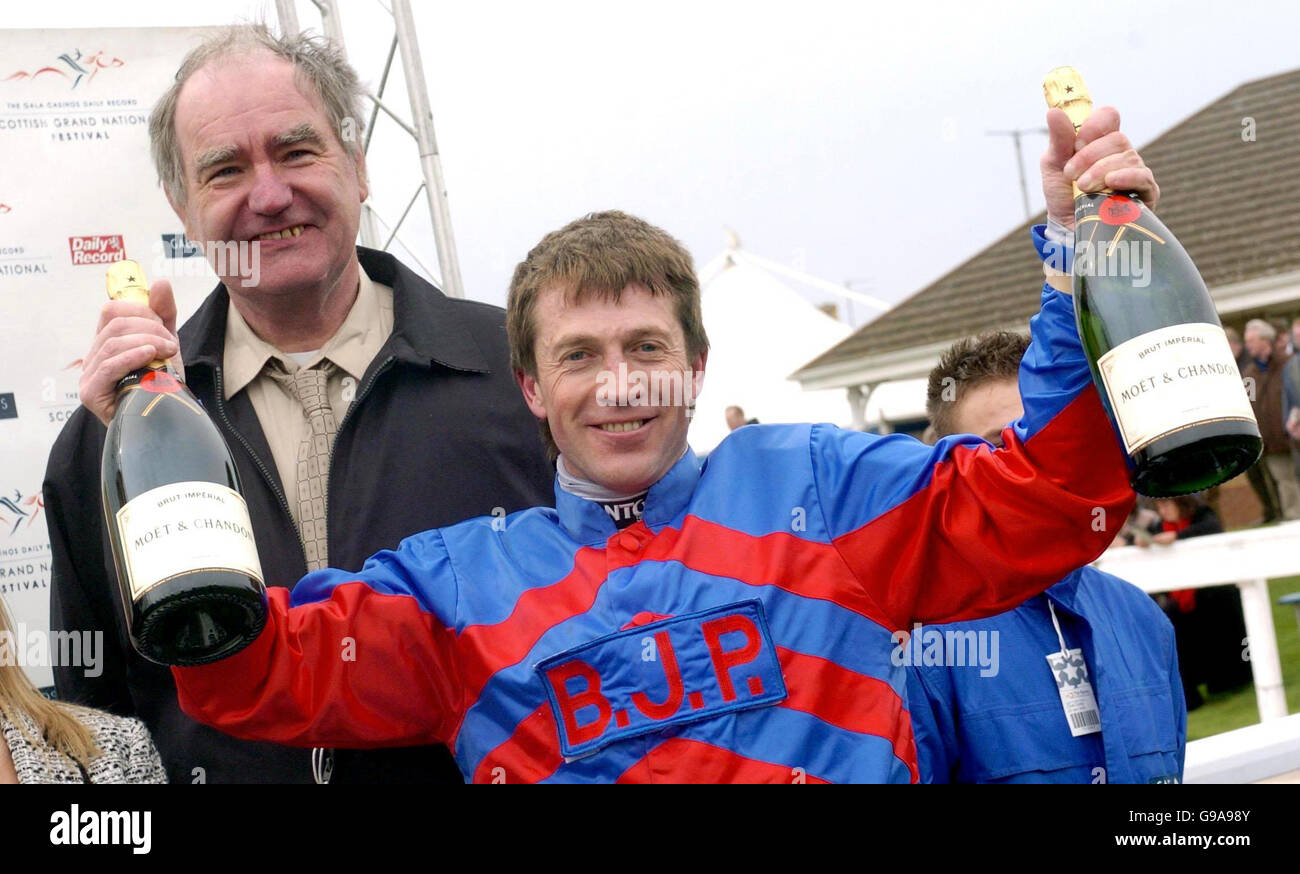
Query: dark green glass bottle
[[1153, 338], [186, 559]]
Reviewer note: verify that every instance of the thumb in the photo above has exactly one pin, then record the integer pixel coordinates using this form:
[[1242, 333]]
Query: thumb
[[163, 302], [1060, 139]]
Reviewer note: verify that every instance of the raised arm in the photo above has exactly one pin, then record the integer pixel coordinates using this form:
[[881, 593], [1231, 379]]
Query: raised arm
[[962, 530], [348, 659]]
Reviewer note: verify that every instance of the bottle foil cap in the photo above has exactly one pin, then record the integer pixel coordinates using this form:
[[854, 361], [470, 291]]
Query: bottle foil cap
[[1064, 89], [125, 281]]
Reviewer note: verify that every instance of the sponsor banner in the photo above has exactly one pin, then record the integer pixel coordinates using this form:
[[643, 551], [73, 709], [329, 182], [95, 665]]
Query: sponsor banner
[[79, 191]]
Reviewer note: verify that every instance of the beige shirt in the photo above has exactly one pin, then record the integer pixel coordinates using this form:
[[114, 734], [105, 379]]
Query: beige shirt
[[248, 359]]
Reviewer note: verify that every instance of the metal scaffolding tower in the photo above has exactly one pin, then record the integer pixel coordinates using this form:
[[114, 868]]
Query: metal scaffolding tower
[[433, 185]]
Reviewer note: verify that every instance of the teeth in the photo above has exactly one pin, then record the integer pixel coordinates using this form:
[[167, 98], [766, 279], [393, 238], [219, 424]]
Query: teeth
[[295, 231], [623, 426]]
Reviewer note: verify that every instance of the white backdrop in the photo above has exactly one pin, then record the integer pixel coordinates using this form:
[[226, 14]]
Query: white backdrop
[[77, 187]]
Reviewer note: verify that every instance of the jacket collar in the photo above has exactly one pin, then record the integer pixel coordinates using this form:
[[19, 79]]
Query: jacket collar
[[588, 523], [1066, 593], [427, 327]]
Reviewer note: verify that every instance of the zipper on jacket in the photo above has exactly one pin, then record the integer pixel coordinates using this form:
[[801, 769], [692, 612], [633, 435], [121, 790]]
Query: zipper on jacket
[[266, 474], [347, 417]]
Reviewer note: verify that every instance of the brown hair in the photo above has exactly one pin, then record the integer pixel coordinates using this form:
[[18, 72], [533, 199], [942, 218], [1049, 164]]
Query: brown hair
[[970, 362], [601, 253], [56, 721]]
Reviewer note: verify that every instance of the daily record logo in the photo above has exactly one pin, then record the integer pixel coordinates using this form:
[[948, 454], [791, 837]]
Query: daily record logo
[[97, 249]]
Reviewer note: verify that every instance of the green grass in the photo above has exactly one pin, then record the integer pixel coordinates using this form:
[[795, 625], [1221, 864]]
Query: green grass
[[1231, 710]]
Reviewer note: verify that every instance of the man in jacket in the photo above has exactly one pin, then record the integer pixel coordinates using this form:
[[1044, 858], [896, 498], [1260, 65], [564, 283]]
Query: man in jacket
[[986, 704], [1264, 372], [673, 622], [332, 361]]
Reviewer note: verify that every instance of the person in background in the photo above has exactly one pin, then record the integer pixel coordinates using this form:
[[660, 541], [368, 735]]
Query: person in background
[[1010, 726], [360, 403], [1263, 374], [1208, 622], [1261, 482], [44, 741], [1237, 346], [736, 418], [1291, 400], [1281, 345]]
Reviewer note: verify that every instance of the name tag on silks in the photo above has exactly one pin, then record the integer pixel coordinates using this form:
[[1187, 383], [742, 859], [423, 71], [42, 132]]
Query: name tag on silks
[[1080, 704], [678, 670]]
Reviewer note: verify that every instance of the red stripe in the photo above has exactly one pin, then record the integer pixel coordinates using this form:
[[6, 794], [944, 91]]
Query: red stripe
[[531, 754], [848, 700], [690, 761], [802, 567], [992, 529]]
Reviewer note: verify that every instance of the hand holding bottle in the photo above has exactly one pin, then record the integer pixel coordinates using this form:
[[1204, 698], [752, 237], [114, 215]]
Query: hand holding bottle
[[1098, 156], [128, 337]]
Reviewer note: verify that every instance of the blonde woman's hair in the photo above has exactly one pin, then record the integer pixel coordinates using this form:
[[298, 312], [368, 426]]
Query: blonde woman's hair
[[56, 721]]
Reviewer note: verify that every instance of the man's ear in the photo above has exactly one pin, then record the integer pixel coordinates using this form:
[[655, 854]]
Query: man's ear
[[363, 180], [697, 374], [532, 393]]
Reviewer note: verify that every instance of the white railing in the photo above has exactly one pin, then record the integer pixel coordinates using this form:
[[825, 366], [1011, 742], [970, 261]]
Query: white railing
[[1247, 559], [1246, 755]]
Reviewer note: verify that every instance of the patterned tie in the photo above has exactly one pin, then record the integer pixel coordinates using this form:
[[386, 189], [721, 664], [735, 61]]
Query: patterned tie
[[311, 386]]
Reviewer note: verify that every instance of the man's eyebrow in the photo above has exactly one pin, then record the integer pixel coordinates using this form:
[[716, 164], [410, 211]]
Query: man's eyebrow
[[213, 157], [575, 339], [633, 335], [301, 133]]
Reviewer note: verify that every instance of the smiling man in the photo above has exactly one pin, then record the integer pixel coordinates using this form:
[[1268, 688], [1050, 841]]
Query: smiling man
[[739, 626], [361, 405]]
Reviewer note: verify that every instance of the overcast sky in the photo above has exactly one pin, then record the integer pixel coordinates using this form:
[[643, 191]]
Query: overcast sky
[[848, 139]]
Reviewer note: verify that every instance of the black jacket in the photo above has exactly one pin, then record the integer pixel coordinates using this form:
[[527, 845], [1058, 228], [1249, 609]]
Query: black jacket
[[437, 433]]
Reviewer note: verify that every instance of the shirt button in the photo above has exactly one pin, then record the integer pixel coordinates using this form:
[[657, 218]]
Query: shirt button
[[629, 542]]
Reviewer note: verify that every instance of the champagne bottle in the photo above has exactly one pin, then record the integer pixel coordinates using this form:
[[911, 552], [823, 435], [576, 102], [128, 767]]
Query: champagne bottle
[[186, 561], [1157, 350]]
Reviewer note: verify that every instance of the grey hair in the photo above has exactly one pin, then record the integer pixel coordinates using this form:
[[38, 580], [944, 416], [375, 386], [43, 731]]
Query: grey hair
[[317, 61], [1262, 328]]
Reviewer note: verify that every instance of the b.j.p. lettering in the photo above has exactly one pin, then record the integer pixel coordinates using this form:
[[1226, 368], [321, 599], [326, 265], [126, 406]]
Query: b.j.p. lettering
[[707, 664]]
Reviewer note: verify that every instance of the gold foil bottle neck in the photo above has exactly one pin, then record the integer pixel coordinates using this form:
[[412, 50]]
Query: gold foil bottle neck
[[125, 281], [1064, 89]]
